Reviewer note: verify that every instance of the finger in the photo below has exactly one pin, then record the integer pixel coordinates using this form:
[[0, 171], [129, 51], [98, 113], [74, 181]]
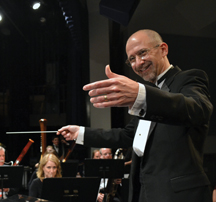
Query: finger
[[104, 98], [109, 73], [97, 84], [65, 135], [103, 91], [65, 128], [60, 130], [68, 136], [111, 100], [114, 103]]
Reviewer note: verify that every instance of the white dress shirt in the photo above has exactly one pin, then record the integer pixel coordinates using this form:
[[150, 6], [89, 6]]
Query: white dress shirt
[[142, 132]]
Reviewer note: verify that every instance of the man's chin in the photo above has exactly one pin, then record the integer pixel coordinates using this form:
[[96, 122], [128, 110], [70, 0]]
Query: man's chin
[[146, 78], [149, 78]]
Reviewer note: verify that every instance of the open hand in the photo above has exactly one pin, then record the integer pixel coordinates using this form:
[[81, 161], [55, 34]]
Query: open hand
[[116, 91]]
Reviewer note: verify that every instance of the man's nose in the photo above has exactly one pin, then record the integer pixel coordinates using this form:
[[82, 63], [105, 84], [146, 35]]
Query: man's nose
[[139, 60]]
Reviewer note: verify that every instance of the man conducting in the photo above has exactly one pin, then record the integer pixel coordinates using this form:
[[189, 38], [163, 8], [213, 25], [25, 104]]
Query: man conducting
[[167, 133]]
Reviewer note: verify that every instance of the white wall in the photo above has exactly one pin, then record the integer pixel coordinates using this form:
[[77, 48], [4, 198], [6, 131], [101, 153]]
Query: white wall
[[99, 57]]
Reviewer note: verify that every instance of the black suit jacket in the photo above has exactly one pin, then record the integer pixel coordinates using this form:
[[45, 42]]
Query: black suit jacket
[[171, 168]]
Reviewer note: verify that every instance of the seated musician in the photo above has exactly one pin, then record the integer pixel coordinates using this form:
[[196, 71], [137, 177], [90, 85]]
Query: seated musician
[[49, 150], [60, 145], [96, 154], [49, 167], [6, 191], [106, 153]]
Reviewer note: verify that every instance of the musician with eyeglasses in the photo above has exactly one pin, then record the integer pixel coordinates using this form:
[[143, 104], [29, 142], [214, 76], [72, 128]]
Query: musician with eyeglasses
[[106, 153], [171, 111], [7, 192]]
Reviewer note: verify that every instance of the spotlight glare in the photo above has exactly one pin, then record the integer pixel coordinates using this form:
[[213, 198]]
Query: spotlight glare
[[36, 5], [0, 17]]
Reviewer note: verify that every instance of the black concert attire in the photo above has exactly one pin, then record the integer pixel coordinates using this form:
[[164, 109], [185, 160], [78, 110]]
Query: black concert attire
[[171, 168], [35, 188]]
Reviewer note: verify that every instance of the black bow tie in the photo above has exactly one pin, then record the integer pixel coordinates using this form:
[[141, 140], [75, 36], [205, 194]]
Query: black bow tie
[[166, 75], [161, 79]]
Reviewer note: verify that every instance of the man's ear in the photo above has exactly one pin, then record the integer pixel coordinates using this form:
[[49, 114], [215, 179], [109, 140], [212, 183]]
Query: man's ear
[[164, 48]]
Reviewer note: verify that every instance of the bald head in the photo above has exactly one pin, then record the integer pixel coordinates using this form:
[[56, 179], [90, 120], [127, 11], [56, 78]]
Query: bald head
[[106, 153], [150, 37]]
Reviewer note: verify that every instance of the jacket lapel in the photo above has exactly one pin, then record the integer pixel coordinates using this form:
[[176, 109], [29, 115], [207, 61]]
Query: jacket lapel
[[170, 75], [165, 87]]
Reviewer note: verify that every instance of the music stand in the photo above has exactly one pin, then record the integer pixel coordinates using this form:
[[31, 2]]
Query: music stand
[[69, 168], [124, 192], [70, 189], [104, 168], [11, 176], [23, 198]]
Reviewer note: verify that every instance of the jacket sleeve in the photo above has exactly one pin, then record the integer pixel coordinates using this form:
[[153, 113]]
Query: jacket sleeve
[[187, 103], [116, 137]]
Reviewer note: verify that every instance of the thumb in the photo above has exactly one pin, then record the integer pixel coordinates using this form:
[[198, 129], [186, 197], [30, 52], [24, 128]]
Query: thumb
[[109, 73]]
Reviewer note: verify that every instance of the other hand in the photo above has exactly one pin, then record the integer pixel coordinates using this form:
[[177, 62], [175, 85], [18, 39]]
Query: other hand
[[69, 132], [5, 190], [100, 197], [116, 91], [118, 181]]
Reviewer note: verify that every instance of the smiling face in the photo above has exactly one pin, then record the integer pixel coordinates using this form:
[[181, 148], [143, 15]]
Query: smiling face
[[148, 54], [50, 169]]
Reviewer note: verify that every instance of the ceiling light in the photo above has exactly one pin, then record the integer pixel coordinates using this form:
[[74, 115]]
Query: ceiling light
[[36, 5]]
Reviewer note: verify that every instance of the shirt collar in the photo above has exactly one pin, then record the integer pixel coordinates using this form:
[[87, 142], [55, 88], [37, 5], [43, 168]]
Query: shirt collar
[[160, 75]]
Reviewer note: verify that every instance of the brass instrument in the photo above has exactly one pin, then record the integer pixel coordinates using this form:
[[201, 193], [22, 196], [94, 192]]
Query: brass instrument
[[119, 154], [111, 185]]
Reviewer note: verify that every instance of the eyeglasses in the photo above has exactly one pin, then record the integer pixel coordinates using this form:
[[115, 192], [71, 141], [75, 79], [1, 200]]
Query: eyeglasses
[[142, 54], [107, 154]]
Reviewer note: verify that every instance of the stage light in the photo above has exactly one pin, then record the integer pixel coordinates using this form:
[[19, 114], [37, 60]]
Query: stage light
[[36, 5], [0, 17]]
